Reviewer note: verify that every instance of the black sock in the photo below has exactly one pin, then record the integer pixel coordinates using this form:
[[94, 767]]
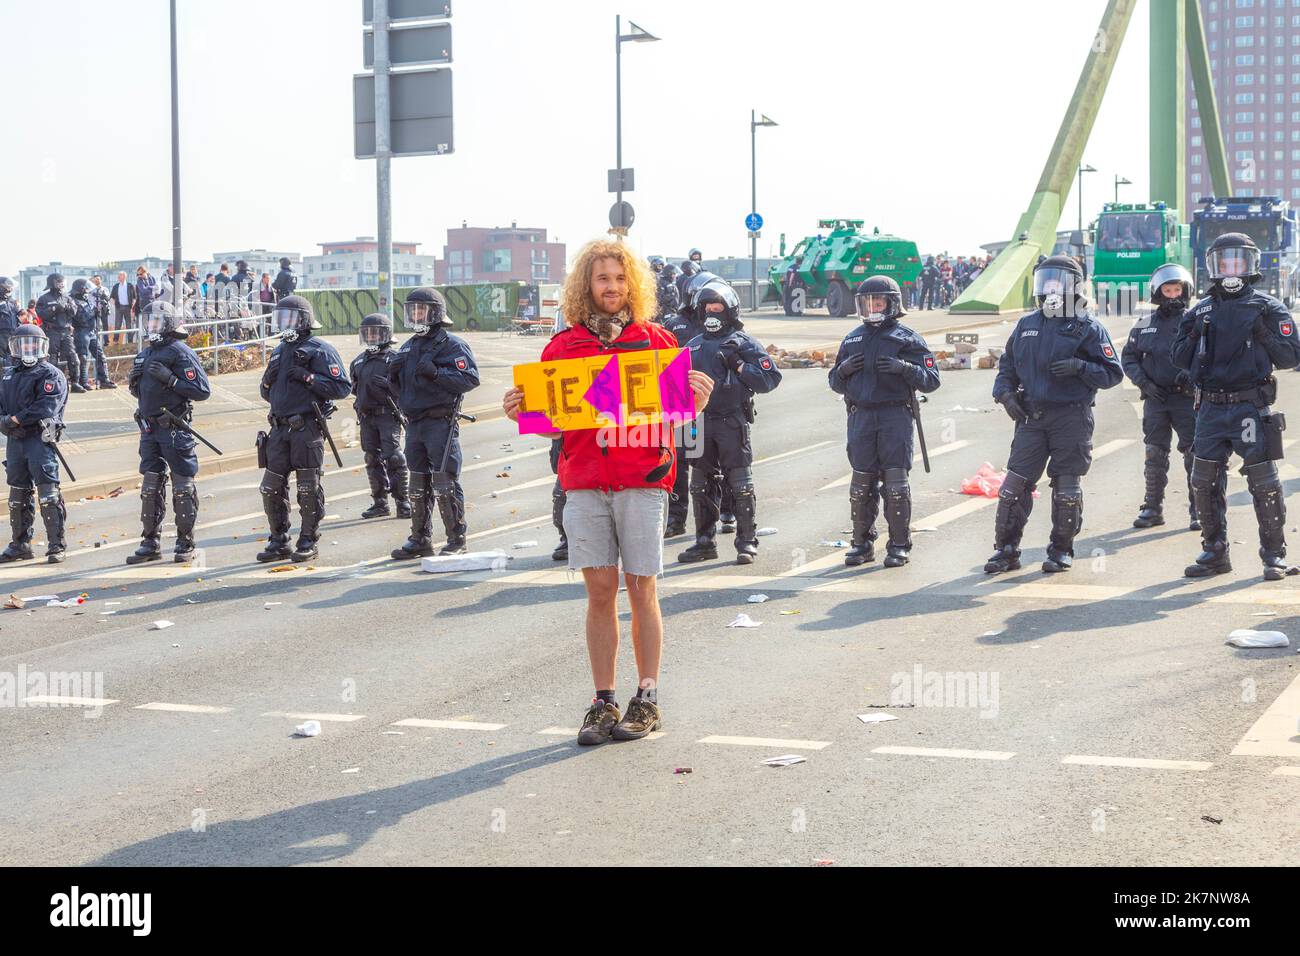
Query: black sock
[[649, 693], [607, 696]]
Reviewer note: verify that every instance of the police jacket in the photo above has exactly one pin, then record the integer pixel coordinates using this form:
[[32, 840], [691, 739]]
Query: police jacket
[[56, 311], [1147, 353], [717, 355], [1230, 343], [431, 371], [886, 340], [366, 367], [32, 393], [284, 284], [103, 305], [329, 379], [684, 325], [8, 319], [929, 275], [1038, 341], [85, 314], [191, 383], [668, 298]]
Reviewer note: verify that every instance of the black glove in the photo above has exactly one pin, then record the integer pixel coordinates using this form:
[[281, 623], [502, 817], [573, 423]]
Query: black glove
[[301, 357], [382, 384], [1153, 391], [160, 372], [5, 426], [852, 365], [730, 356], [1013, 407], [298, 374], [427, 368], [1182, 380], [891, 365], [1067, 367]]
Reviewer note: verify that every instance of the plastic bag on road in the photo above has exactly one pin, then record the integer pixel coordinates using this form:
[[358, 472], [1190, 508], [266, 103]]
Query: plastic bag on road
[[986, 482], [1244, 637]]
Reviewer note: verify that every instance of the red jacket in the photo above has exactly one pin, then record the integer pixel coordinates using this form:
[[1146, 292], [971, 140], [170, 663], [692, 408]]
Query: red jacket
[[583, 463]]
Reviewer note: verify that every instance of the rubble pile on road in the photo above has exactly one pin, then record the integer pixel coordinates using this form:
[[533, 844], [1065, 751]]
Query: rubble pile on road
[[803, 358], [962, 356]]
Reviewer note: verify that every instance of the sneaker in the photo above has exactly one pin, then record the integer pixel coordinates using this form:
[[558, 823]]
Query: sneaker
[[599, 723], [641, 719]]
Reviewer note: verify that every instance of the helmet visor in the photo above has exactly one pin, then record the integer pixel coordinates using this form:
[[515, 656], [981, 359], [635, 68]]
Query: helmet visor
[[29, 349], [287, 319], [875, 306], [1054, 281], [1234, 261], [156, 323], [418, 315], [375, 335], [1171, 272]]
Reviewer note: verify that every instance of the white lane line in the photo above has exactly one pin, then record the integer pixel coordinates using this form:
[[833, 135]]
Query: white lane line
[[573, 732], [70, 701], [446, 724], [1286, 772], [1143, 762], [944, 752], [507, 489], [773, 742], [934, 453], [184, 708], [326, 718], [1111, 446], [792, 451], [1274, 734], [1031, 590]]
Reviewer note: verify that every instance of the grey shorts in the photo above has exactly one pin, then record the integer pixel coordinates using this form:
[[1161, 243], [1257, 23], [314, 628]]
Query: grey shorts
[[626, 527]]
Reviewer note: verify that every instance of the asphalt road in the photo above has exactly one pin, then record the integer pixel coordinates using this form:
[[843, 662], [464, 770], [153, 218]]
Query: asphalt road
[[1095, 717]]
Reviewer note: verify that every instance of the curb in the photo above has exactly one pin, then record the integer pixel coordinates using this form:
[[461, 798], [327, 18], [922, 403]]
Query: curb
[[217, 465]]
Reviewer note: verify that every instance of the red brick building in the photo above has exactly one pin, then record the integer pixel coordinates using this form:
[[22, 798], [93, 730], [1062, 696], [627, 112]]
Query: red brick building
[[499, 254]]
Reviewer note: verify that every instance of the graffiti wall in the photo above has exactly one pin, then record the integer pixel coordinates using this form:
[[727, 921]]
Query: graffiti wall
[[471, 307]]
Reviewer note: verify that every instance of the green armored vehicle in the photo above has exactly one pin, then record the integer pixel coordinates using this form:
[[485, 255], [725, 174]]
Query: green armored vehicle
[[827, 268]]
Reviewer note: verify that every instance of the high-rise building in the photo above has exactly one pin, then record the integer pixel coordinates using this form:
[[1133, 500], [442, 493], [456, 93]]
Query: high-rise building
[[1255, 61], [499, 254], [354, 264]]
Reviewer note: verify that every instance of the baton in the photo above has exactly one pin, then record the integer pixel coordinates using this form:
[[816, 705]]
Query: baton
[[325, 430], [920, 432], [184, 426]]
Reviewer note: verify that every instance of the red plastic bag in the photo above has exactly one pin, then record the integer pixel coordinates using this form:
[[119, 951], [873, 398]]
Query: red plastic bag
[[985, 483]]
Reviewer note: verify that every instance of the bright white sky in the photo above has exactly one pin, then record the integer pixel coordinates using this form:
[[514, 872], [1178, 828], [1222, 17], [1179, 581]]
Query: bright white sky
[[930, 120]]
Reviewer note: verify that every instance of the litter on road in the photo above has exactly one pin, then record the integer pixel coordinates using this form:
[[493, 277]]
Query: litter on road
[[764, 532], [473, 561], [520, 545], [744, 620], [159, 625], [309, 729], [1244, 637], [875, 718], [757, 598], [784, 761]]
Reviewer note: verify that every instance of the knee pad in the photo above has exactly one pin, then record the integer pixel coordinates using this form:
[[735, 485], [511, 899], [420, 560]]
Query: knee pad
[[896, 482], [741, 479], [1262, 476], [443, 485], [273, 484], [1067, 487], [184, 486], [395, 462], [48, 494], [699, 481], [308, 479], [862, 485], [419, 485], [1013, 486], [1155, 455], [372, 459], [153, 485], [1205, 473]]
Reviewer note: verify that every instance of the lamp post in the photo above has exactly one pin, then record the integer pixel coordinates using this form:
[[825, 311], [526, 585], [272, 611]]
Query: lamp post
[[1121, 181], [178, 282], [754, 124], [637, 35], [1083, 168]]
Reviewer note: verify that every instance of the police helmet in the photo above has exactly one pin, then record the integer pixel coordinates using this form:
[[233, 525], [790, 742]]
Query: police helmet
[[54, 282], [1233, 258], [878, 286], [690, 267], [80, 288], [656, 263], [715, 292], [1170, 272], [1058, 285], [29, 344], [293, 317], [376, 331], [241, 265], [284, 262], [425, 309], [670, 273], [161, 320], [6, 287], [695, 255]]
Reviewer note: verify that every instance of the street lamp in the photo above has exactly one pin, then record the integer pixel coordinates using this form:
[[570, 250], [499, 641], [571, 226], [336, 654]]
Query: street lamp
[[754, 124], [637, 35], [1083, 169], [1121, 181]]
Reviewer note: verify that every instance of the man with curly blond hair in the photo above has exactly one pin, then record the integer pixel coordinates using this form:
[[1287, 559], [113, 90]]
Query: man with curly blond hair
[[615, 487]]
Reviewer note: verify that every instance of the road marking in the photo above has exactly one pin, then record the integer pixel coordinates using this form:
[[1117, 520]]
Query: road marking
[[944, 752], [184, 708], [1274, 734], [1111, 447], [773, 742], [507, 489], [1143, 762], [1033, 590], [446, 724], [71, 701], [792, 451], [934, 453], [573, 732], [326, 718], [1287, 772]]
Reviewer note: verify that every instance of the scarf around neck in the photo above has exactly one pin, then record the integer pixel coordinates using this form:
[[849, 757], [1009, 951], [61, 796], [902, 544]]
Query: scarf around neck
[[607, 327]]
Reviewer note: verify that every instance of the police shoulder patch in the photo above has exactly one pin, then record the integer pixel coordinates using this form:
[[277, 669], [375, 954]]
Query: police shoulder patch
[[190, 374], [461, 364], [49, 385], [929, 361], [1286, 327], [335, 370], [1107, 350], [766, 363]]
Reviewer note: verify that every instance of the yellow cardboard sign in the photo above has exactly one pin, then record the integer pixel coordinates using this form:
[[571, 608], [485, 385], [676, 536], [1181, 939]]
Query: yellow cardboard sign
[[599, 391]]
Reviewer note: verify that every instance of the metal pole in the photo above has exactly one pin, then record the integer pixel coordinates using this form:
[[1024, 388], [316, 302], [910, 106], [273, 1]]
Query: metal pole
[[177, 286], [618, 104], [1081, 197], [753, 207], [383, 158]]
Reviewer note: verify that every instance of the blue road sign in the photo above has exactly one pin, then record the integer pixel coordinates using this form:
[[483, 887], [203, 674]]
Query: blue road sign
[[753, 222]]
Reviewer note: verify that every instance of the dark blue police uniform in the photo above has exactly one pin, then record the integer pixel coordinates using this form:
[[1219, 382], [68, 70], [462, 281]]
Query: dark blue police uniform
[[57, 311], [880, 425], [381, 431], [8, 326], [35, 395], [85, 323], [1057, 434], [684, 326]]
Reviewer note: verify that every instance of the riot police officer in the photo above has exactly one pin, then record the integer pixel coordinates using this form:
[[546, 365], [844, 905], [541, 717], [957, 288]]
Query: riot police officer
[[57, 311], [877, 369], [33, 396], [1230, 344], [1056, 359], [685, 325], [167, 378], [739, 368], [285, 281], [433, 370], [696, 256], [8, 317], [666, 292], [85, 323], [379, 417], [303, 377], [1166, 389]]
